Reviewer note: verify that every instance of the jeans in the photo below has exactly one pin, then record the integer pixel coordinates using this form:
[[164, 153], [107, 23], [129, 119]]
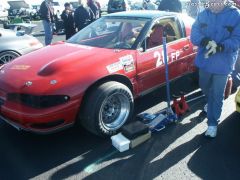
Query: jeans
[[213, 86], [48, 28]]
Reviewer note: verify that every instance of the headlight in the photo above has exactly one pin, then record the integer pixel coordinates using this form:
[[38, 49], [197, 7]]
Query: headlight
[[38, 101]]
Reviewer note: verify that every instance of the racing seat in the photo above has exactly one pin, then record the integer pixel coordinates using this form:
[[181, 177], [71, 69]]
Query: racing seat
[[171, 36], [156, 36], [126, 32]]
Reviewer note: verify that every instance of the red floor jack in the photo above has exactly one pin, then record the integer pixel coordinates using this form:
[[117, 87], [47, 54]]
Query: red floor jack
[[157, 122], [180, 106]]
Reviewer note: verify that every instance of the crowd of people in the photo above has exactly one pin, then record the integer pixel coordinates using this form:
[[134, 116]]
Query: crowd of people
[[73, 21], [90, 10]]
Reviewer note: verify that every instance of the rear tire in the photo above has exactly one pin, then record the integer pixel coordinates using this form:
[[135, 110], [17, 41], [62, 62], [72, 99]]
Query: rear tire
[[107, 108]]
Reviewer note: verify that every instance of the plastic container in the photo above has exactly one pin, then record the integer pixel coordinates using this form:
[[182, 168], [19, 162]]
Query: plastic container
[[120, 142]]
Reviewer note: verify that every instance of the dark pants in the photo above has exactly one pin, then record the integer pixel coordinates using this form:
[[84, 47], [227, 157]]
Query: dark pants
[[69, 32]]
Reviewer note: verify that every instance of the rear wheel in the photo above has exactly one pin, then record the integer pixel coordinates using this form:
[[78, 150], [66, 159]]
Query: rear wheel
[[7, 56], [107, 108]]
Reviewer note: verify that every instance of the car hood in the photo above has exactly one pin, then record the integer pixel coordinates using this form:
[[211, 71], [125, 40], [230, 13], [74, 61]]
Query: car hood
[[55, 61], [18, 4]]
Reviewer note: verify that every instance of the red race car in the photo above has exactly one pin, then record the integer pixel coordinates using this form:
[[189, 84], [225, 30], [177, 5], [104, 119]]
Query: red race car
[[93, 78]]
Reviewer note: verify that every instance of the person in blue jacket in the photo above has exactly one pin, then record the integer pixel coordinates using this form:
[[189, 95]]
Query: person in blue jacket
[[216, 32]]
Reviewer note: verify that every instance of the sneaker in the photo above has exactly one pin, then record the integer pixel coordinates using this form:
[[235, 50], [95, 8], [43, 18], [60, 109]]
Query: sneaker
[[205, 108], [211, 131]]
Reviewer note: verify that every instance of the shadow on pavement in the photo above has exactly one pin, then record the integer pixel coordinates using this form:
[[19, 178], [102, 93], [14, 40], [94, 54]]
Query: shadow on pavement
[[219, 158], [25, 155], [212, 158], [140, 163]]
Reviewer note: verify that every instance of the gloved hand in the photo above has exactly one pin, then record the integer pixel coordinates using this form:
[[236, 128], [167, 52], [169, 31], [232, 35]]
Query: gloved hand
[[205, 41], [220, 47], [211, 46], [212, 49]]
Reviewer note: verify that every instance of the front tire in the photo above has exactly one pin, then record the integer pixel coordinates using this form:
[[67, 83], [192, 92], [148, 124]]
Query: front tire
[[107, 108], [7, 56]]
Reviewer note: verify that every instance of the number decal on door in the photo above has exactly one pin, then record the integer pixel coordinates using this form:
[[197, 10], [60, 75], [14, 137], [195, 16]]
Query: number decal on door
[[159, 60], [160, 57]]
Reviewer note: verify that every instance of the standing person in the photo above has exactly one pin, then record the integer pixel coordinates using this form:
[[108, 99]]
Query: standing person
[[68, 21], [172, 6], [216, 32], [144, 5], [193, 8], [47, 16], [94, 10], [149, 5], [99, 7], [81, 15]]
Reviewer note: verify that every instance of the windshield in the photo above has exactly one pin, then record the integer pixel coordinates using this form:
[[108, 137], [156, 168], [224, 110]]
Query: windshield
[[110, 32]]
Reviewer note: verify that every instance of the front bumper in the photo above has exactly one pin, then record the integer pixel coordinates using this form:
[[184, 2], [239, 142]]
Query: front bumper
[[40, 121], [19, 127]]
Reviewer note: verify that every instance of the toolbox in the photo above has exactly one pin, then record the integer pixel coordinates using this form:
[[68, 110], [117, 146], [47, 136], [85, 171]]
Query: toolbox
[[139, 140], [134, 130]]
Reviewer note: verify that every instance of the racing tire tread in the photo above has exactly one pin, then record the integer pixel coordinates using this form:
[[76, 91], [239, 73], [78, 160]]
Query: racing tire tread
[[89, 118]]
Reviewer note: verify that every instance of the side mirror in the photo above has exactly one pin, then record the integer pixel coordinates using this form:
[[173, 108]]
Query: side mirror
[[140, 49]]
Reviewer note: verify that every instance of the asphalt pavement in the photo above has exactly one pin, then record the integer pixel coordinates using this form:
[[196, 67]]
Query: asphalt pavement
[[180, 151]]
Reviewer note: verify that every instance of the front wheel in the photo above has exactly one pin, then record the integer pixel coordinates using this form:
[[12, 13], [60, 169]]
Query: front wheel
[[7, 56], [107, 108]]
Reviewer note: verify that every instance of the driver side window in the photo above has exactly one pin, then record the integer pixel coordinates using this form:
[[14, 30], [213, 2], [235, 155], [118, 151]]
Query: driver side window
[[155, 34]]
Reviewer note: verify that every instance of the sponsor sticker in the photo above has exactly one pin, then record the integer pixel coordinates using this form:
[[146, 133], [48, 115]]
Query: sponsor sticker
[[112, 68], [20, 67], [127, 63]]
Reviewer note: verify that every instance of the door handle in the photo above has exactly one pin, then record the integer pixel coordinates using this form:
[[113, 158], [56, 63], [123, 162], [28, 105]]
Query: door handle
[[186, 47]]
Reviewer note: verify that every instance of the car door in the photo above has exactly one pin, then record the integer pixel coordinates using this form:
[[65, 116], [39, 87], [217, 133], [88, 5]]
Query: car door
[[150, 61]]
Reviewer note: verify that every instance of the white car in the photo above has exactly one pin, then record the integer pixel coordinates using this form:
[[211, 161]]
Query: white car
[[58, 7]]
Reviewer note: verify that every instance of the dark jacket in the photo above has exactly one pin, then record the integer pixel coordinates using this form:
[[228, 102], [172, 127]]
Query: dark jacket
[[170, 5], [95, 10], [68, 23], [46, 12], [81, 17], [68, 20]]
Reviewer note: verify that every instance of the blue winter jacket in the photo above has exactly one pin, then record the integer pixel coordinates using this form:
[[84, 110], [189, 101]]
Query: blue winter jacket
[[223, 28]]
